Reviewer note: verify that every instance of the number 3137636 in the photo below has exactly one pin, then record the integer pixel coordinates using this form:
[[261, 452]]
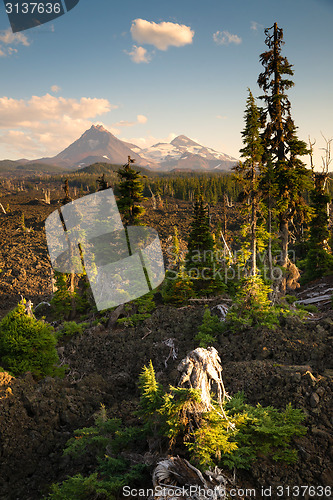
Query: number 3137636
[[33, 8], [311, 491]]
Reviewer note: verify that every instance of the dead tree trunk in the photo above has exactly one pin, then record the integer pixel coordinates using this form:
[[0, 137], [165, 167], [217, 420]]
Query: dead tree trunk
[[153, 198], [201, 369]]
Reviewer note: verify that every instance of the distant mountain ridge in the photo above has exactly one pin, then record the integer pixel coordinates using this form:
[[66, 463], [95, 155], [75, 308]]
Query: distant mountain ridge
[[98, 145]]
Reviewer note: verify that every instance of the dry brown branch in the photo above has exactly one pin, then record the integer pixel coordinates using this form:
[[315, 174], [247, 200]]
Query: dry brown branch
[[146, 334]]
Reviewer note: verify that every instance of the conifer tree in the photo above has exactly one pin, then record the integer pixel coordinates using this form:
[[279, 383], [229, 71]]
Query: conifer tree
[[319, 259], [247, 171], [202, 263], [131, 189], [102, 183], [200, 244], [282, 147]]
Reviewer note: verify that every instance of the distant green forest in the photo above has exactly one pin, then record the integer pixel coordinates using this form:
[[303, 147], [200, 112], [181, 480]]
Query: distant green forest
[[184, 186], [179, 185], [14, 168]]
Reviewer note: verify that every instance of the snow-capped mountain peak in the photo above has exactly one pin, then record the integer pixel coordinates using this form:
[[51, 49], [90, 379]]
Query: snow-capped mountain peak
[[183, 152]]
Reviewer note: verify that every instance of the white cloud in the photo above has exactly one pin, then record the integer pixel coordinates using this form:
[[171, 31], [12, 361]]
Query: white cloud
[[45, 125], [8, 38], [124, 123], [150, 140], [225, 38], [55, 88], [140, 119], [255, 26], [139, 55], [161, 35], [18, 112], [221, 117]]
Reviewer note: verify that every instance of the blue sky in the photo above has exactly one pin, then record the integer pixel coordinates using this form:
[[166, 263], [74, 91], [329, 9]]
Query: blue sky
[[149, 71]]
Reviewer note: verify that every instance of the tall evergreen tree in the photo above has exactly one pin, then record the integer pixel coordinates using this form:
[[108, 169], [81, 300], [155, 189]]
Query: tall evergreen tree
[[247, 171], [131, 189], [202, 263], [282, 147], [200, 245]]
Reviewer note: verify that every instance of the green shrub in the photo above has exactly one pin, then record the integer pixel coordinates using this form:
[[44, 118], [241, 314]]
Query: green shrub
[[66, 304], [152, 396], [143, 306], [265, 431], [27, 344], [62, 300], [133, 320], [76, 488], [177, 288], [102, 442], [307, 307], [317, 263], [214, 439], [71, 328], [252, 306], [211, 325], [290, 299]]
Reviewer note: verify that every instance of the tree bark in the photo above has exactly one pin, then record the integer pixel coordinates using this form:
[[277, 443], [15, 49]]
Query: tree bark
[[284, 234]]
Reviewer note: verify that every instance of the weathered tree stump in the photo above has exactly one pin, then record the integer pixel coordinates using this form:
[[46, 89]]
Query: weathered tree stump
[[201, 370]]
